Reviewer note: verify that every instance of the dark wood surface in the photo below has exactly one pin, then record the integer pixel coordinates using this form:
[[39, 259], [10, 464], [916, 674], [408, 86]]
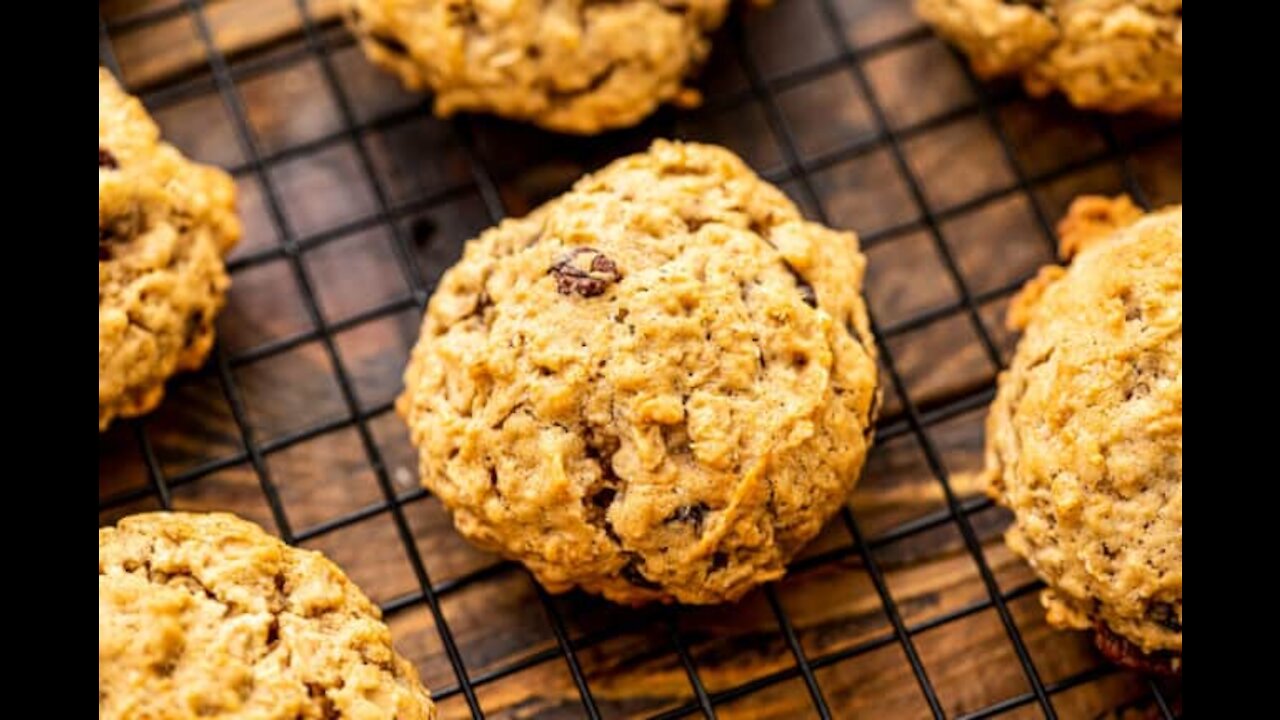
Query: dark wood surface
[[994, 236]]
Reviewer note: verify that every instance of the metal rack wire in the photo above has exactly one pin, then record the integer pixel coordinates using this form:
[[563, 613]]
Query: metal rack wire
[[319, 41]]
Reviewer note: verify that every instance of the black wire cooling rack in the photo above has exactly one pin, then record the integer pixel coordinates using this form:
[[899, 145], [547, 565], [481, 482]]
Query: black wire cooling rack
[[758, 93]]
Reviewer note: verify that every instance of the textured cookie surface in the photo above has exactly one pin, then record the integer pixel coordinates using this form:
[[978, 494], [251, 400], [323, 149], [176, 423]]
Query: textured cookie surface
[[208, 616], [1085, 434], [164, 224], [1113, 55], [572, 66], [657, 386]]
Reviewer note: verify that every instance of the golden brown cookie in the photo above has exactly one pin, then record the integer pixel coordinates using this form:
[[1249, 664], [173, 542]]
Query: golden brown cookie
[[573, 66], [657, 386], [208, 616], [1084, 439], [1112, 55], [164, 224]]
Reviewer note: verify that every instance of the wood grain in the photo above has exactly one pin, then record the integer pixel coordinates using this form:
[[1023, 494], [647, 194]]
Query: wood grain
[[151, 54], [633, 671]]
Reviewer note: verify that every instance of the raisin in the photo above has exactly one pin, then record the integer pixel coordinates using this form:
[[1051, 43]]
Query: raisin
[[1124, 653], [106, 236], [317, 693], [719, 561], [588, 282], [807, 294], [192, 326], [602, 264], [273, 633], [603, 497], [1165, 615], [106, 159], [631, 573], [690, 514], [388, 43], [463, 14]]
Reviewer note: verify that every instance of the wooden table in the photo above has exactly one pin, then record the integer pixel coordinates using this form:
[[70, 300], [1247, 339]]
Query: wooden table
[[781, 92]]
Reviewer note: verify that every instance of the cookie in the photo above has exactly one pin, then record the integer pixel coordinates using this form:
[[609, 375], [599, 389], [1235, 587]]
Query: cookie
[[164, 224], [1084, 439], [1112, 55], [207, 615], [657, 386], [573, 66]]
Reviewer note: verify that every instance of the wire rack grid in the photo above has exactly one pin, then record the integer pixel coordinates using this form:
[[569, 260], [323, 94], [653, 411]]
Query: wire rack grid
[[761, 95]]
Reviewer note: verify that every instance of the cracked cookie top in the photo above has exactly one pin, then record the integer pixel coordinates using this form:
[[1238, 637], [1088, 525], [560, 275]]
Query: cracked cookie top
[[575, 66], [1112, 55], [208, 616], [657, 386], [1084, 440], [164, 224]]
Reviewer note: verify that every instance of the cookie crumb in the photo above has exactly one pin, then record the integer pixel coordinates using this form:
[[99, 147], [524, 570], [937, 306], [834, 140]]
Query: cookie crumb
[[106, 159]]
